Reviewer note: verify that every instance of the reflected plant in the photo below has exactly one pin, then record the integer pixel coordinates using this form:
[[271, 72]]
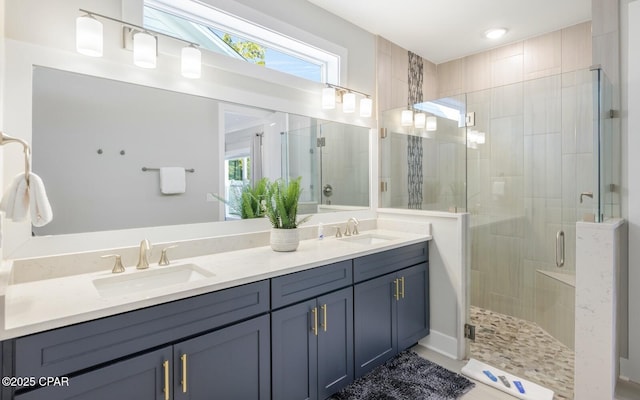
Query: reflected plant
[[251, 199], [249, 202]]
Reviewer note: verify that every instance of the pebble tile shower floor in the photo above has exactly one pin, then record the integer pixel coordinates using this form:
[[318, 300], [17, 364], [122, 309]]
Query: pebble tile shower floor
[[523, 348]]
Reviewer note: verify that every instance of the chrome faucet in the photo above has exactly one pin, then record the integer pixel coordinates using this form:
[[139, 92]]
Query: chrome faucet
[[143, 259], [348, 231]]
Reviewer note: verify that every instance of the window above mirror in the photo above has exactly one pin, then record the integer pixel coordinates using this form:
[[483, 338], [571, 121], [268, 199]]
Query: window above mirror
[[218, 31]]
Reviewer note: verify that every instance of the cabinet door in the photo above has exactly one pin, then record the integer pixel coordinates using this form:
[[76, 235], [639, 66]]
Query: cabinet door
[[138, 378], [374, 323], [335, 342], [294, 349], [413, 306], [231, 363]]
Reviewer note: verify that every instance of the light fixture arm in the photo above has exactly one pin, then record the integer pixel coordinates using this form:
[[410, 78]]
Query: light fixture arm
[[344, 89], [143, 29]]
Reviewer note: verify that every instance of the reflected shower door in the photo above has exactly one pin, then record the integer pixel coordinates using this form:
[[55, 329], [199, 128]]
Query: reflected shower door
[[423, 165]]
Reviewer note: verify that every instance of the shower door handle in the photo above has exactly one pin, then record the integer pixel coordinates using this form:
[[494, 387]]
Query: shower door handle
[[560, 249]]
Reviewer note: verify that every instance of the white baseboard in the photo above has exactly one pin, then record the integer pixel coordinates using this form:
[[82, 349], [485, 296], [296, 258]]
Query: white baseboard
[[443, 344]]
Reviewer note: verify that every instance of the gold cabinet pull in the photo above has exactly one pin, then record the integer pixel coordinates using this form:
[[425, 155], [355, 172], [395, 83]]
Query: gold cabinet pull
[[184, 373], [402, 286], [397, 292], [314, 311], [324, 317], [165, 365]]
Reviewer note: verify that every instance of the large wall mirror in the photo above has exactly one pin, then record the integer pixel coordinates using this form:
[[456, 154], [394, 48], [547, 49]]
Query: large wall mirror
[[92, 137]]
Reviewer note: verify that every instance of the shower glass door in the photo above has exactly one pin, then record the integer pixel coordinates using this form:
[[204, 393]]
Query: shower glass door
[[524, 167], [528, 184]]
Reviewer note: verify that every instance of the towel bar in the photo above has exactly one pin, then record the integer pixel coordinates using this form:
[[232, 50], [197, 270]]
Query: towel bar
[[145, 169], [4, 139]]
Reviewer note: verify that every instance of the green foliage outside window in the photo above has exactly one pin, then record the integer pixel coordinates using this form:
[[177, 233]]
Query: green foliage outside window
[[251, 51], [237, 167]]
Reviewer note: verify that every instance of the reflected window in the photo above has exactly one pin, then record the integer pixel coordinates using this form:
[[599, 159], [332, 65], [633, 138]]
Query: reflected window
[[239, 169], [237, 175], [220, 32]]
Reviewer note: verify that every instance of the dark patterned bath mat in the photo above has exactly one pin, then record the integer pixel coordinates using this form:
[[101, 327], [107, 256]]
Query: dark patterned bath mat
[[407, 377]]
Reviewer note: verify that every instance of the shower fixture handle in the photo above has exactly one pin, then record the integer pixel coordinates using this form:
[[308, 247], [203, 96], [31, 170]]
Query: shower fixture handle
[[327, 190], [560, 249], [586, 194]]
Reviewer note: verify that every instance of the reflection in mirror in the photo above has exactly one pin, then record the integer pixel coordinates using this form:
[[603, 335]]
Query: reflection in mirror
[[93, 136], [248, 134], [428, 168], [337, 170]]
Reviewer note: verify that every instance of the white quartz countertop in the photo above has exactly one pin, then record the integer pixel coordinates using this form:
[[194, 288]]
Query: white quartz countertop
[[51, 303]]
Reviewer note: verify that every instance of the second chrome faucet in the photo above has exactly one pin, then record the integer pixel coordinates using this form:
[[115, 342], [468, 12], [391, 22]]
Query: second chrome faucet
[[143, 258], [348, 231]]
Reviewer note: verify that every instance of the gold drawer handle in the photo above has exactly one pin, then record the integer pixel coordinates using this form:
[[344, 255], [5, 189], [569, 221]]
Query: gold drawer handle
[[314, 311], [324, 317], [397, 292], [184, 373], [165, 365], [402, 292]]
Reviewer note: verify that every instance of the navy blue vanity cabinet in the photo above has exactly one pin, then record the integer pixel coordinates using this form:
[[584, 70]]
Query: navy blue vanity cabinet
[[312, 340], [294, 352], [391, 311], [231, 363], [375, 330], [215, 343], [145, 377], [413, 305]]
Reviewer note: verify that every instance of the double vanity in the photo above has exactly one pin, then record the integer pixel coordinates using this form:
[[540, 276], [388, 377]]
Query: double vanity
[[246, 324]]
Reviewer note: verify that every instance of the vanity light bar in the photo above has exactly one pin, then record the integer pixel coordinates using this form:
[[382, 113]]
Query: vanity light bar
[[89, 42], [347, 97]]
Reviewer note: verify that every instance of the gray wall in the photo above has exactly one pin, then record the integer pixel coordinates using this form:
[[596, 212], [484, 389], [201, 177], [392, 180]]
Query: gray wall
[[75, 115]]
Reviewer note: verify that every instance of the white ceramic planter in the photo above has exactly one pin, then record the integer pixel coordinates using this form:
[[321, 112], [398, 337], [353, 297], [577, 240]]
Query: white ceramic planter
[[284, 239]]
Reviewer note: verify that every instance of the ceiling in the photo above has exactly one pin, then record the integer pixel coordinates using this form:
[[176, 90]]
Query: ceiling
[[444, 30]]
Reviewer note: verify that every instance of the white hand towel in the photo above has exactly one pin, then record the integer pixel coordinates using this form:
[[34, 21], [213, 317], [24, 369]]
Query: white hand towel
[[15, 201], [20, 197], [41, 213], [172, 180]]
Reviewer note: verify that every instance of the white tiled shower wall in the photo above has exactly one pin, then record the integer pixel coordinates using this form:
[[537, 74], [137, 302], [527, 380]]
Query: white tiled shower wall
[[517, 92]]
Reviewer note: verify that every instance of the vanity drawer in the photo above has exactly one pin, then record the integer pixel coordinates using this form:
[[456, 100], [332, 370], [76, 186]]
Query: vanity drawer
[[378, 264], [62, 351], [292, 288]]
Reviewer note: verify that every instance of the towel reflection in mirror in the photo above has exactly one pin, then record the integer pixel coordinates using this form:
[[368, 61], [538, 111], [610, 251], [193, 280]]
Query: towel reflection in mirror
[[26, 192]]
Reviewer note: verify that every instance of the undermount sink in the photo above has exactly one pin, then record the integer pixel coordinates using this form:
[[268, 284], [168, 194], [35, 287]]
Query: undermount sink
[[367, 238], [153, 278]]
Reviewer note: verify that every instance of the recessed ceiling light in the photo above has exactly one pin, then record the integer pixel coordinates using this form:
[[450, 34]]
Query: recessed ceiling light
[[495, 33]]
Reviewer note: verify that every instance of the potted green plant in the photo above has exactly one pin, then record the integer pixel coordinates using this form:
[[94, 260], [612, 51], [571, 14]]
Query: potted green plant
[[281, 207]]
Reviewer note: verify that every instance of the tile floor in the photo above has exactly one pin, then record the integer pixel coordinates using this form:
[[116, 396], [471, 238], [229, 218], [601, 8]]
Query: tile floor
[[480, 392], [524, 349]]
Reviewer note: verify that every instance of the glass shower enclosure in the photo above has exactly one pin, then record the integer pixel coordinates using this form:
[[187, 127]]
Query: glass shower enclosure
[[526, 161]]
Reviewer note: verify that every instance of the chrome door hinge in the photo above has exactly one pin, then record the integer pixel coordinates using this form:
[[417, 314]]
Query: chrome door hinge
[[383, 133], [470, 332], [321, 142], [470, 119]]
